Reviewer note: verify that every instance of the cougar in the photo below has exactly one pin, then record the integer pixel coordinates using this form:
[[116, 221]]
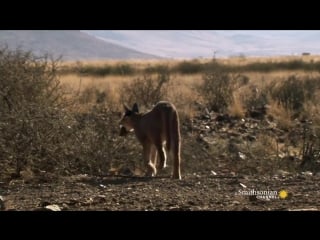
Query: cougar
[[158, 131]]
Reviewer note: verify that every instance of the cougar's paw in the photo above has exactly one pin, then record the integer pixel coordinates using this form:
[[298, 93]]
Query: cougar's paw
[[123, 131]]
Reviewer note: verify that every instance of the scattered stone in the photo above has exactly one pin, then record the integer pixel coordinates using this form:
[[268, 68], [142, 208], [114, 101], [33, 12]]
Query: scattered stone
[[213, 173], [27, 175], [209, 140], [307, 173], [223, 118], [242, 155], [99, 199], [242, 185], [282, 172], [2, 207], [250, 138], [304, 209], [53, 207]]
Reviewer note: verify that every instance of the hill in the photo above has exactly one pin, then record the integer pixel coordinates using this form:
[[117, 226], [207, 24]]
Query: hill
[[71, 45]]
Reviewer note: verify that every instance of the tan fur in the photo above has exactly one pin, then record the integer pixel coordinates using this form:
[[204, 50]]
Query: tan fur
[[159, 133]]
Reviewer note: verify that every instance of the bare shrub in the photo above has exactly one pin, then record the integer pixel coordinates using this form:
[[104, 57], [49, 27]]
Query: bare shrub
[[43, 132], [95, 141], [310, 150], [290, 94], [294, 92], [256, 98], [147, 90], [31, 111], [217, 90], [236, 109]]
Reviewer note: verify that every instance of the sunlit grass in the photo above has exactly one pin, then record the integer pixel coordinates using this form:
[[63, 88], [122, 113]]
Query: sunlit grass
[[183, 89]]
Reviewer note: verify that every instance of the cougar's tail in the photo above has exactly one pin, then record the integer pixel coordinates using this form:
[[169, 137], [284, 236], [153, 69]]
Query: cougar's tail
[[173, 142], [173, 133]]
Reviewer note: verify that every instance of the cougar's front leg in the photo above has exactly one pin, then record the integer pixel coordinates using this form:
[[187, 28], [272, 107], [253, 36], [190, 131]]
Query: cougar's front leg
[[147, 154]]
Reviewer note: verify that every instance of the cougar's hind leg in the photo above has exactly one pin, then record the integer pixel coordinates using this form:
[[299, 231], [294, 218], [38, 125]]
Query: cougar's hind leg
[[162, 157], [175, 154]]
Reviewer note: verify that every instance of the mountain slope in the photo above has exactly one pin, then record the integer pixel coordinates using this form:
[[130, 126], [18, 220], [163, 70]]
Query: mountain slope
[[72, 45]]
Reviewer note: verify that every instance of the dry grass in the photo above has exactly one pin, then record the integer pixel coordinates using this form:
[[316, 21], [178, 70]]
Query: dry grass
[[281, 115], [183, 88], [82, 136], [236, 109], [171, 62], [274, 59], [135, 63]]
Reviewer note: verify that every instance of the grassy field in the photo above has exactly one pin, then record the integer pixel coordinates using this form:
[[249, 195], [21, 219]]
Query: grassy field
[[183, 89]]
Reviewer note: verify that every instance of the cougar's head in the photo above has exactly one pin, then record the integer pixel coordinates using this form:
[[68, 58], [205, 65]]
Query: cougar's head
[[126, 122]]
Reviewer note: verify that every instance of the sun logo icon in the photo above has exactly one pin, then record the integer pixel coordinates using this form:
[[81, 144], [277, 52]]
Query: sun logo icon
[[283, 194]]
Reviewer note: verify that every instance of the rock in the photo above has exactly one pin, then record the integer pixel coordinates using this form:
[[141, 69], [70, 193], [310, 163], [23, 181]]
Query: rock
[[213, 173], [208, 140], [242, 155], [100, 199], [282, 172], [53, 207], [257, 113], [235, 202], [2, 207], [126, 171], [250, 138], [304, 209], [233, 133], [307, 173], [223, 118], [27, 175], [233, 147]]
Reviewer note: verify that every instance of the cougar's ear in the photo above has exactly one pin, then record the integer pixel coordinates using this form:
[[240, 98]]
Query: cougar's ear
[[125, 107], [135, 108]]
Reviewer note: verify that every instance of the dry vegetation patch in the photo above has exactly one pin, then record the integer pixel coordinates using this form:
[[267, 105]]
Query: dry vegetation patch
[[239, 115]]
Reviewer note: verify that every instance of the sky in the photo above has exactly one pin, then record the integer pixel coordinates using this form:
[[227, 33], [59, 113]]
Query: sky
[[204, 43]]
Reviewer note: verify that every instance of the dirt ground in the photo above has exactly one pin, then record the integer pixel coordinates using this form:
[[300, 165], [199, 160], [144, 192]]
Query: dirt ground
[[221, 171], [195, 192]]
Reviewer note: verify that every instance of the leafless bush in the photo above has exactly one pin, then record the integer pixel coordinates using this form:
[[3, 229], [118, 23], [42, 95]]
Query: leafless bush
[[147, 90], [310, 151], [31, 110], [217, 90], [294, 92], [41, 131]]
